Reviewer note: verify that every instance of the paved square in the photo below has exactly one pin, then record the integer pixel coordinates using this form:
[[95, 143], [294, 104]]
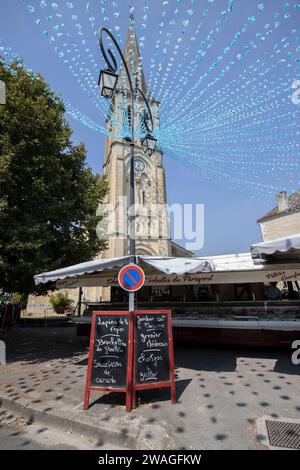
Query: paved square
[[220, 392]]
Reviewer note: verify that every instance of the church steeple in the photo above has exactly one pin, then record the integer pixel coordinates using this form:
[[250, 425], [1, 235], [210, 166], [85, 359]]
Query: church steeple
[[149, 177], [133, 58]]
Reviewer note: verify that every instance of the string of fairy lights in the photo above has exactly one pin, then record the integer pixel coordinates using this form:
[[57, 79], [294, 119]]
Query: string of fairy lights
[[221, 72]]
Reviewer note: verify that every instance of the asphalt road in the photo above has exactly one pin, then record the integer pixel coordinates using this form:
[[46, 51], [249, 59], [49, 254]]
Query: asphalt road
[[13, 439], [17, 434]]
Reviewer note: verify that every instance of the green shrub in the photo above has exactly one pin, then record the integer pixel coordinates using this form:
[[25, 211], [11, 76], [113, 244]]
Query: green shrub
[[60, 301]]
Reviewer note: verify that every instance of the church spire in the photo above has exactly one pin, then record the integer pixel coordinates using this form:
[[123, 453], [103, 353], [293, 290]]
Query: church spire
[[133, 58]]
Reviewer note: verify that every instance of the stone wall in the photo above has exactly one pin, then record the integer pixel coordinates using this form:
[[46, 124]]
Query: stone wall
[[280, 226]]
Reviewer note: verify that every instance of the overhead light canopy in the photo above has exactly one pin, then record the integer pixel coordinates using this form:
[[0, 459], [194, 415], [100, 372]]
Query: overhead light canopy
[[149, 143], [107, 83]]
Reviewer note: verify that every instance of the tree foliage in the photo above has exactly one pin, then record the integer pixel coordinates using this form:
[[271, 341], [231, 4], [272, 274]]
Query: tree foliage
[[48, 194]]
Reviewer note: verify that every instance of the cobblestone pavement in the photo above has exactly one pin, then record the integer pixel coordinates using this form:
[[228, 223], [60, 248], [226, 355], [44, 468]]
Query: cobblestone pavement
[[220, 392]]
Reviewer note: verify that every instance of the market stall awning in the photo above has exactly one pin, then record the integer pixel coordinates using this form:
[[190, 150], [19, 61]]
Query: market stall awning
[[176, 265], [167, 271], [163, 264], [281, 248], [77, 270]]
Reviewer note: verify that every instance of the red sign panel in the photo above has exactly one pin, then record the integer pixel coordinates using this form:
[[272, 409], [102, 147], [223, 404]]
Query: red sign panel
[[153, 354], [110, 355], [130, 351]]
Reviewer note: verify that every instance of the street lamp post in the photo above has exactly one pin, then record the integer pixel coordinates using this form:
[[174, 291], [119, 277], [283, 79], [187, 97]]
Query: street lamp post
[[108, 81]]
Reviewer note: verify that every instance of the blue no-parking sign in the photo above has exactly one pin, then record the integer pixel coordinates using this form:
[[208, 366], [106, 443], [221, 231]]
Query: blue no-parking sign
[[131, 278]]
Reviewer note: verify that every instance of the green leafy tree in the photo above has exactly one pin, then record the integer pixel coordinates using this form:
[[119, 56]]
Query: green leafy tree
[[48, 194]]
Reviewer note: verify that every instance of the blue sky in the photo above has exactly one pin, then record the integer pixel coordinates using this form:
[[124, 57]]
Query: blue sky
[[219, 160]]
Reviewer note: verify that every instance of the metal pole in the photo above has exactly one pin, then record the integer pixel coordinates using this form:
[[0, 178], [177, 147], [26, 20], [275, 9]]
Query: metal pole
[[132, 201], [79, 301], [112, 66]]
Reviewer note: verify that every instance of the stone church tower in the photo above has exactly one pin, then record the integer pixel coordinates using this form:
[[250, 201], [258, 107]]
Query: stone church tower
[[152, 225]]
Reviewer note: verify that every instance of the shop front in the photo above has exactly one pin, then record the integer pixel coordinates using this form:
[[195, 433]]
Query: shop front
[[229, 299]]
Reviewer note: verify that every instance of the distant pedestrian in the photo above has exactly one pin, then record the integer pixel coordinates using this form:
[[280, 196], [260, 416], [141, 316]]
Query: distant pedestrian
[[273, 293]]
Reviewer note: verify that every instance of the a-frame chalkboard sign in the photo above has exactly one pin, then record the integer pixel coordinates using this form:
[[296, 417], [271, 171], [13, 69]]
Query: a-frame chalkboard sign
[[130, 351], [110, 355], [153, 363]]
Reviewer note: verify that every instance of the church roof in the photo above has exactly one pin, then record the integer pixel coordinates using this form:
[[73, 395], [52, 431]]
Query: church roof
[[178, 250]]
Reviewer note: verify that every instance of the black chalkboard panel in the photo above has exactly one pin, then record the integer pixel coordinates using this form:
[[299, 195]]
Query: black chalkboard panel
[[110, 351], [152, 348]]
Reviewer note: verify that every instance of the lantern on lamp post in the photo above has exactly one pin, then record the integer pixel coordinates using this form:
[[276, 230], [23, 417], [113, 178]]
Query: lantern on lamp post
[[107, 83], [148, 144]]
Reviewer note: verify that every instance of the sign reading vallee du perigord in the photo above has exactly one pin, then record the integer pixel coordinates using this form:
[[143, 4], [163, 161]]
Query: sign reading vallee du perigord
[[200, 278]]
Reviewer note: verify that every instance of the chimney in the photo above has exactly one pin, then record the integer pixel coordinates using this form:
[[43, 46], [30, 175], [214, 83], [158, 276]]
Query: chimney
[[282, 201]]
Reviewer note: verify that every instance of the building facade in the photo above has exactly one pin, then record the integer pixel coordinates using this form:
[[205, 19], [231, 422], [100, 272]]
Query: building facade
[[284, 219]]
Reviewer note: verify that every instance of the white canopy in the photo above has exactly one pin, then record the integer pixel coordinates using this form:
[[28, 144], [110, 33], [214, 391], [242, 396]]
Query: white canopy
[[163, 264], [179, 266], [163, 271], [290, 245]]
